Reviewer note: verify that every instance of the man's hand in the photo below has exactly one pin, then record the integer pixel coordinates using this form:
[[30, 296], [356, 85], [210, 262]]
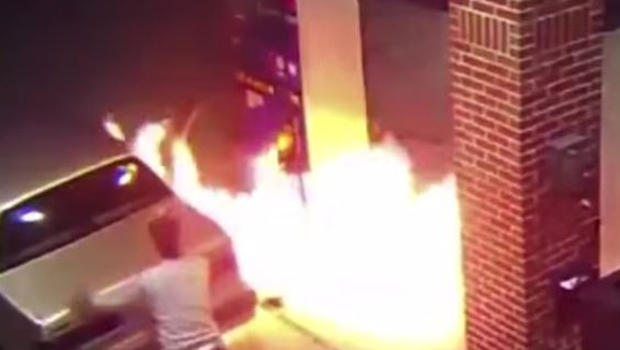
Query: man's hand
[[82, 306]]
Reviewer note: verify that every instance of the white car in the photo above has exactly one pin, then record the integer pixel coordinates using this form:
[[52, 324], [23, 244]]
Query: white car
[[90, 232]]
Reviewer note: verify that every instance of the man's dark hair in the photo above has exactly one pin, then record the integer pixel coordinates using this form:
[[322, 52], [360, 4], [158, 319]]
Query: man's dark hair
[[165, 232]]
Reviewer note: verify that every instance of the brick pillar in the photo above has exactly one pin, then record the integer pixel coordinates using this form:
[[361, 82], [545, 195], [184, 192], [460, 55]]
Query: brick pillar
[[526, 77]]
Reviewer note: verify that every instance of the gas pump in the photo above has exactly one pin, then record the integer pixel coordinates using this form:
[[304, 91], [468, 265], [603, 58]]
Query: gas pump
[[269, 79], [291, 146]]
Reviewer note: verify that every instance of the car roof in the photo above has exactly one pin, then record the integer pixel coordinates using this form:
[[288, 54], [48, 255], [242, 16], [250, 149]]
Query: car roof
[[60, 181]]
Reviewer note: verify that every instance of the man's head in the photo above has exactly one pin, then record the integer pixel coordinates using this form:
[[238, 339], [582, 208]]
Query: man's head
[[165, 231]]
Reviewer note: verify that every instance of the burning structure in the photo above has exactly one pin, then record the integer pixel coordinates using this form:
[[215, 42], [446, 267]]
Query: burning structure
[[367, 254], [362, 251]]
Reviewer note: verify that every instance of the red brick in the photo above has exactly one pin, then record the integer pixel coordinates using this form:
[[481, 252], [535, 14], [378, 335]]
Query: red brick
[[523, 52], [475, 108], [589, 54], [486, 166], [508, 62], [460, 91], [596, 63], [484, 100], [532, 98], [533, 144], [470, 26], [503, 34], [595, 86], [578, 45], [506, 153], [511, 138], [460, 68], [508, 14], [496, 116], [565, 61], [474, 129], [554, 33], [477, 28], [461, 115], [496, 69], [590, 99], [462, 24], [523, 4], [496, 93], [575, 93], [488, 146], [472, 84], [495, 34], [484, 76], [501, 162], [576, 69], [508, 85], [461, 46], [547, 127], [561, 85], [573, 116], [525, 40], [548, 102], [487, 33], [484, 122], [560, 133], [562, 27], [484, 53], [474, 62], [505, 107], [483, 7], [461, 134], [497, 139]]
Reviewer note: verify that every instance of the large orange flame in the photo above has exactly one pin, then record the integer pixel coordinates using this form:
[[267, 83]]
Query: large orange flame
[[364, 254], [147, 146], [113, 128]]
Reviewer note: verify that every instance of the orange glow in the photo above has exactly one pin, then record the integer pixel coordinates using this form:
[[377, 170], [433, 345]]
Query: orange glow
[[147, 146], [365, 255], [113, 128], [285, 141], [334, 101], [332, 135]]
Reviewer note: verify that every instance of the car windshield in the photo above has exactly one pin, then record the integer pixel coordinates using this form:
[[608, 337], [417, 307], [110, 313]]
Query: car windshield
[[63, 214]]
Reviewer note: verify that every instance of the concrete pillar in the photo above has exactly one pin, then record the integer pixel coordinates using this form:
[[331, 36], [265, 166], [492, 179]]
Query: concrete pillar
[[526, 79], [332, 78], [610, 179]]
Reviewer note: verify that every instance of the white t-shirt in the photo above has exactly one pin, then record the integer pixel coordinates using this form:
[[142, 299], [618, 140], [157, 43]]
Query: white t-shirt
[[177, 292]]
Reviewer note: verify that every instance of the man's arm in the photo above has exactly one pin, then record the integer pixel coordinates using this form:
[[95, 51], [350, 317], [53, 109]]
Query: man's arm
[[115, 299]]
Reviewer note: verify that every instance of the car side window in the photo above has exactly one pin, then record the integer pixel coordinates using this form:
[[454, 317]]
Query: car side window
[[74, 209]]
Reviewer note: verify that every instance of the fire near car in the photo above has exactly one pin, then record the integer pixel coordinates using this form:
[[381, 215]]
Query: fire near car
[[269, 78], [91, 232]]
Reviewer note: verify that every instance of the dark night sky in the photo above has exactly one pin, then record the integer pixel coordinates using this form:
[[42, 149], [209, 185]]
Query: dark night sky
[[63, 64], [98, 50]]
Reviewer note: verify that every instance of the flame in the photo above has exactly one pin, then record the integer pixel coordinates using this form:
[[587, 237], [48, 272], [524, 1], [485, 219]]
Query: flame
[[113, 128], [147, 146], [365, 254]]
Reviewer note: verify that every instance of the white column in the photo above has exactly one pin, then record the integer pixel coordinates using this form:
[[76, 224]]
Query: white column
[[332, 78], [610, 179]]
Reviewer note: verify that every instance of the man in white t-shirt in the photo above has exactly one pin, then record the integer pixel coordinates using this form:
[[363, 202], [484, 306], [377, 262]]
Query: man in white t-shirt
[[176, 292]]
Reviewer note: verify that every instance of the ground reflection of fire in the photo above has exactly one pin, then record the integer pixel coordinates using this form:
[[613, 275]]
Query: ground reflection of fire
[[364, 254]]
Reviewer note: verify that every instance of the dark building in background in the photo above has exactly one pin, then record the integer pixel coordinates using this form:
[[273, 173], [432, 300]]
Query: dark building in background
[[65, 64], [612, 20]]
